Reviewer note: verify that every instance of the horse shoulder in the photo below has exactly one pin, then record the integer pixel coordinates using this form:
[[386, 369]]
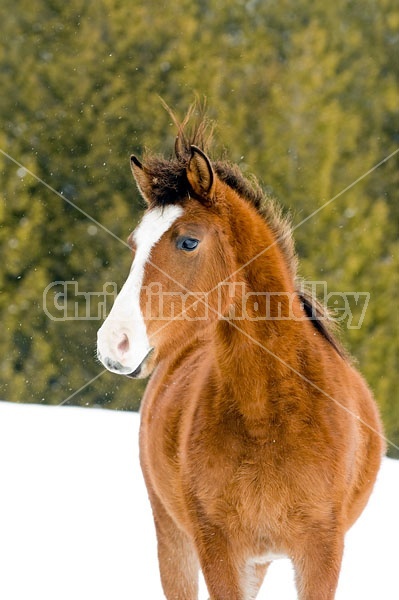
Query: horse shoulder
[[167, 413]]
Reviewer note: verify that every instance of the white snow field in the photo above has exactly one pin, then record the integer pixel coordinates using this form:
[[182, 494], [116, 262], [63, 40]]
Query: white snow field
[[75, 521]]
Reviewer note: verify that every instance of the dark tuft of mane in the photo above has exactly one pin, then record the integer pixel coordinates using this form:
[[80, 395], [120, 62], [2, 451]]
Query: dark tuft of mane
[[170, 185], [321, 320]]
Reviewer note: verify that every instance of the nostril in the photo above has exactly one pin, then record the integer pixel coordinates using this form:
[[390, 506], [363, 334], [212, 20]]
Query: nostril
[[123, 345]]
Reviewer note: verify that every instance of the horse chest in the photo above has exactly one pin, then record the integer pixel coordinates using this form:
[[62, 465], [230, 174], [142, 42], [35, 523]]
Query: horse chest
[[191, 457], [240, 489]]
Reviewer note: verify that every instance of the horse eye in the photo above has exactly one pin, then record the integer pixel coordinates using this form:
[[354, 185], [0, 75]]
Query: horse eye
[[187, 243]]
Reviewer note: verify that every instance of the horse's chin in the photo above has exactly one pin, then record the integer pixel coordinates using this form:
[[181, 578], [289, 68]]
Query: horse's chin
[[145, 368]]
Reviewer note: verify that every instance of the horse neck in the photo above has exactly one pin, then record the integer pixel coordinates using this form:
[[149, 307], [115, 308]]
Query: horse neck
[[263, 335]]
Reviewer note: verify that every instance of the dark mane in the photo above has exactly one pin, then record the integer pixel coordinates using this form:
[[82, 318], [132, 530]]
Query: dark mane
[[170, 185], [267, 207], [321, 320]]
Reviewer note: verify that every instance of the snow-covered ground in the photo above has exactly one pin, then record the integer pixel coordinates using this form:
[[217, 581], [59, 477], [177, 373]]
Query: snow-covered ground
[[75, 522]]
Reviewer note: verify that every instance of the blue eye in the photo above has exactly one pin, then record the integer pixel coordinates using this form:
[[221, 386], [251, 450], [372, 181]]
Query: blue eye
[[187, 243]]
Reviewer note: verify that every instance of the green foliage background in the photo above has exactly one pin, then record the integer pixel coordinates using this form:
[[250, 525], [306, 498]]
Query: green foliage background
[[305, 97]]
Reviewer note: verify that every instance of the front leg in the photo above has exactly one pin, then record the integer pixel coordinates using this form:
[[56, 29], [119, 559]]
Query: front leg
[[317, 566], [178, 561], [222, 568]]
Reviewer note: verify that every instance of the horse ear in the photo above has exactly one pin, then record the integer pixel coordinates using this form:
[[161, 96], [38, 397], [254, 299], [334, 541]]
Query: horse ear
[[141, 177], [200, 174]]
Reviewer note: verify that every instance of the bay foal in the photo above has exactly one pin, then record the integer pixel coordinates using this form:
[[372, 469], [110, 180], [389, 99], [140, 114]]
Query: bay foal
[[259, 439]]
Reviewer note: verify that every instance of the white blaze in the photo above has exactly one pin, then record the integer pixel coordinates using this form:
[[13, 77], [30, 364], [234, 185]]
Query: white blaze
[[125, 320]]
